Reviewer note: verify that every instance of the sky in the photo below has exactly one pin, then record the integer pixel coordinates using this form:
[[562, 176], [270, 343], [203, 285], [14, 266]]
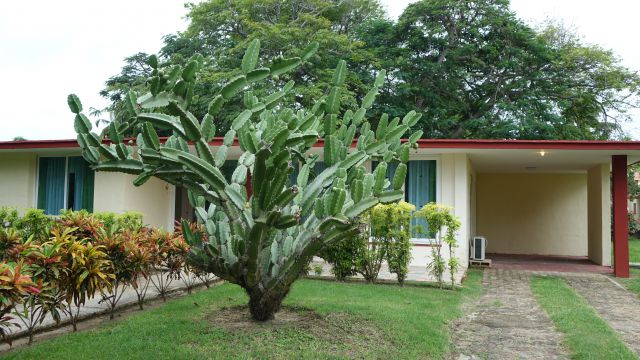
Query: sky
[[49, 49]]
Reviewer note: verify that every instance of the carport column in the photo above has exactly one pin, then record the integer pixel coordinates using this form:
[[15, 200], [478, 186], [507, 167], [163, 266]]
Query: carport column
[[620, 221]]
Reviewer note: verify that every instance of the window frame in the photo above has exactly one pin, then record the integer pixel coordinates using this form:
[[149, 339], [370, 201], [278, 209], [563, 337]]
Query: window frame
[[418, 157], [66, 177]]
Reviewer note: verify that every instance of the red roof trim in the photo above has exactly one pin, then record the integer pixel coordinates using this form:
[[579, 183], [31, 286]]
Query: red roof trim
[[422, 143]]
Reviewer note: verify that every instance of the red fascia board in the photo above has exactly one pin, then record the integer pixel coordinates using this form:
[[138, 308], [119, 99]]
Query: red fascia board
[[422, 143], [528, 144]]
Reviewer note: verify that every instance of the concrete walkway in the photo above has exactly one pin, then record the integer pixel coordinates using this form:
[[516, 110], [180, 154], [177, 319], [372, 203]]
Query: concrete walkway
[[506, 322], [416, 273]]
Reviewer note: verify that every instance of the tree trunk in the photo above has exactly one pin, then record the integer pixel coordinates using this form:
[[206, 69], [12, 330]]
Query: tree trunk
[[264, 305]]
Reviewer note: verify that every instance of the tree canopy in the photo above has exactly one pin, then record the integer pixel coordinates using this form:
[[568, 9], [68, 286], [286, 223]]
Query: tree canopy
[[471, 67]]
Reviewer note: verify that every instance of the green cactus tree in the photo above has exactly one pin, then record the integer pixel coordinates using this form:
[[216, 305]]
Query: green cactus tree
[[262, 239]]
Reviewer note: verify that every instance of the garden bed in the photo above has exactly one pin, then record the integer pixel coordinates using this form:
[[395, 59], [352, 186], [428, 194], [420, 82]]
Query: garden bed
[[320, 319]]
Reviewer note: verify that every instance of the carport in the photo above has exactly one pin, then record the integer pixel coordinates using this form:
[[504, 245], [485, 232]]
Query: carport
[[560, 199]]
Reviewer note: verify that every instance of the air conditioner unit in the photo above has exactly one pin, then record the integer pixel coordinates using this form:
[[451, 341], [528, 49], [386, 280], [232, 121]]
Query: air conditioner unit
[[478, 248]]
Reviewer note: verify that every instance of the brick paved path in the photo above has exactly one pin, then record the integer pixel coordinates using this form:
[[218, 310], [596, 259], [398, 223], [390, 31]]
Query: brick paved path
[[506, 322]]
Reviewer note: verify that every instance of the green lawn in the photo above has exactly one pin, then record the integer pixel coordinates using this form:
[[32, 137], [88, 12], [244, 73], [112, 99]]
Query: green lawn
[[634, 250], [633, 282], [587, 336], [349, 320]]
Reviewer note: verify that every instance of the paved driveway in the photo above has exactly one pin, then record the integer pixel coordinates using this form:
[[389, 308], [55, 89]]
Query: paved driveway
[[506, 322]]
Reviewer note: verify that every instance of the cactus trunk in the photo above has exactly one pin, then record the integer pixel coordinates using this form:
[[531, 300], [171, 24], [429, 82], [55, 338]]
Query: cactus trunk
[[264, 304]]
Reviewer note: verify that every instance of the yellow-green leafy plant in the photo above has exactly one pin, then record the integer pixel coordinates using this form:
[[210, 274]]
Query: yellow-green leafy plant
[[169, 251], [35, 223], [10, 243], [143, 256], [8, 217], [390, 224], [48, 269], [124, 265], [88, 273], [14, 285], [263, 239], [440, 217]]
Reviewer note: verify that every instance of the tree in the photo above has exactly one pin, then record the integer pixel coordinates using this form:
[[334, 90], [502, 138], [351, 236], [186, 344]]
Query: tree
[[477, 71], [262, 239], [221, 30]]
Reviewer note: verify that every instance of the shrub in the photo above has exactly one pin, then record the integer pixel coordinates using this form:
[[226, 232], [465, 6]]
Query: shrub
[[169, 252], [439, 217], [130, 220], [343, 256], [384, 236], [88, 273], [390, 224], [13, 286], [35, 223], [8, 216], [48, 266], [78, 255], [317, 269]]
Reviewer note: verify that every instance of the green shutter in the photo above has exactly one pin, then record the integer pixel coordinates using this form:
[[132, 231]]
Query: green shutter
[[84, 180]]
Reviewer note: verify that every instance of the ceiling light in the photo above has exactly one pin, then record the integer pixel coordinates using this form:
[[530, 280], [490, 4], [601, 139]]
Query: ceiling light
[[542, 152]]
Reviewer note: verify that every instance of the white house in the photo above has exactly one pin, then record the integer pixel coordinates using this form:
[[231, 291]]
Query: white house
[[525, 196]]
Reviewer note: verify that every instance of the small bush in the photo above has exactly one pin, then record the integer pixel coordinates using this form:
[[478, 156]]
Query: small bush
[[8, 216], [78, 255], [384, 236], [343, 256], [391, 224], [317, 269], [441, 217]]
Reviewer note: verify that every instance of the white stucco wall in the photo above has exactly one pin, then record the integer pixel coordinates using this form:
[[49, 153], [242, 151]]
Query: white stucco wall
[[544, 214], [455, 190], [116, 192], [17, 180], [599, 214]]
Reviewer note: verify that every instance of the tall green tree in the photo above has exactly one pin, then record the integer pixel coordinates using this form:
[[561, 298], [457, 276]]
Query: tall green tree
[[220, 30], [477, 71], [470, 66]]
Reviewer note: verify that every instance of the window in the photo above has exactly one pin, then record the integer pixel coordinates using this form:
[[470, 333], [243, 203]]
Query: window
[[419, 187], [64, 183]]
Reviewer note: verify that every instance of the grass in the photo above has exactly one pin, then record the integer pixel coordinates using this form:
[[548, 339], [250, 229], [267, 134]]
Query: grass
[[587, 336], [634, 250], [633, 282], [363, 321]]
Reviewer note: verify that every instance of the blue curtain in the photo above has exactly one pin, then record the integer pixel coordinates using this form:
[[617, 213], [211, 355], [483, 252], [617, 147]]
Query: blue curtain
[[83, 184], [51, 183], [420, 189]]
